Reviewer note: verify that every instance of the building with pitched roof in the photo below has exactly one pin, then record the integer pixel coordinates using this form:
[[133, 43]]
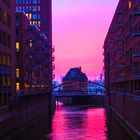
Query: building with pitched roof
[[75, 80]]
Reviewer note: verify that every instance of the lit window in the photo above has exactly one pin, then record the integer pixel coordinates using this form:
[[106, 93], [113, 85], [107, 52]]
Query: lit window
[[34, 8], [17, 86], [31, 43], [17, 73], [38, 8], [34, 16], [39, 23], [17, 46], [129, 4], [30, 15], [30, 22], [35, 22], [38, 16]]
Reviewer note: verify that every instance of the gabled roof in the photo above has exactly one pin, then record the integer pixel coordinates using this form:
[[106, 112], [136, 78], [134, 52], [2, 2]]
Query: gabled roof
[[75, 74]]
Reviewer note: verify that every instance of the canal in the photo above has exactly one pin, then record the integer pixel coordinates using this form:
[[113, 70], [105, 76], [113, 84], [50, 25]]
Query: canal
[[76, 123], [84, 123]]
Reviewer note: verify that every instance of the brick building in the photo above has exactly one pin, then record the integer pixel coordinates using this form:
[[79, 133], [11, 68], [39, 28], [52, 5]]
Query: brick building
[[7, 50], [33, 65], [122, 62], [39, 12], [75, 80]]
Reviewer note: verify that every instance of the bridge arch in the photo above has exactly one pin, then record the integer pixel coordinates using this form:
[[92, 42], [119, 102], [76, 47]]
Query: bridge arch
[[89, 82]]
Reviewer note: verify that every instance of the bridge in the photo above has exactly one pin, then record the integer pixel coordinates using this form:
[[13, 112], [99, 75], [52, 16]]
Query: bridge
[[90, 96]]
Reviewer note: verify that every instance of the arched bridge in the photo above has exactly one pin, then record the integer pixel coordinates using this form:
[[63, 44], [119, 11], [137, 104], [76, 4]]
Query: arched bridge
[[93, 88], [89, 96]]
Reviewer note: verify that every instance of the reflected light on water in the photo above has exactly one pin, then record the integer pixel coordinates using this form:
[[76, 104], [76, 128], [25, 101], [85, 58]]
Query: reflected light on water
[[78, 123]]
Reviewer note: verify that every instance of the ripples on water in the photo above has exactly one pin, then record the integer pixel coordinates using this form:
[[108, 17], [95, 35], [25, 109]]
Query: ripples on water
[[78, 123]]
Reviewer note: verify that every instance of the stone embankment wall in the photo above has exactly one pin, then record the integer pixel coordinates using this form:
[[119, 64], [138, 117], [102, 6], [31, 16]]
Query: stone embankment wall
[[23, 112]]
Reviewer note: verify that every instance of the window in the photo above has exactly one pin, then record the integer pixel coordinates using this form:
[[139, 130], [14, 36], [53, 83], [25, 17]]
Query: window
[[17, 46], [38, 8], [0, 59], [129, 4], [17, 73], [35, 22], [8, 80], [34, 8], [38, 23], [17, 86], [8, 60], [38, 16], [30, 15], [34, 16], [4, 81], [31, 43], [4, 59]]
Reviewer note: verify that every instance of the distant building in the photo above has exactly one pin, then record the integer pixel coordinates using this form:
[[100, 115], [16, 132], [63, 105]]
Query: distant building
[[7, 50], [122, 63], [33, 57], [75, 80]]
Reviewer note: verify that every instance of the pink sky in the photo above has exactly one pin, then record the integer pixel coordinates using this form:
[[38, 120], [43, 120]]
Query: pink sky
[[79, 30]]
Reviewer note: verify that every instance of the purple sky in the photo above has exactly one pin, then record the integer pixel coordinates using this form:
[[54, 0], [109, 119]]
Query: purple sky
[[79, 30]]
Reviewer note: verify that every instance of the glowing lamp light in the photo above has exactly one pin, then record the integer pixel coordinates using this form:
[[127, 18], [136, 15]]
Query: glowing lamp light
[[129, 4]]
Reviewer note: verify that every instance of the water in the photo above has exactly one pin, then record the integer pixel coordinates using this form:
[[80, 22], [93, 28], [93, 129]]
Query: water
[[84, 123]]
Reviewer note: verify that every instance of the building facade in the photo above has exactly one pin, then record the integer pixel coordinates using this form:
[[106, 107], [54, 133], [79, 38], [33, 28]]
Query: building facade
[[22, 21], [34, 57], [75, 81], [122, 63], [7, 50], [39, 12]]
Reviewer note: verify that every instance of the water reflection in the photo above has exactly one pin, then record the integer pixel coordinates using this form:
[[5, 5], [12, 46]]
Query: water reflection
[[85, 123], [78, 123]]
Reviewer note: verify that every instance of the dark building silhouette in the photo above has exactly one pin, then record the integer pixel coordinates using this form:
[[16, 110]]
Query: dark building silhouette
[[75, 80], [122, 63], [7, 50]]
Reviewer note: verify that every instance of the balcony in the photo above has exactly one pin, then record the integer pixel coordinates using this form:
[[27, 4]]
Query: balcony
[[53, 49], [53, 58], [121, 25], [120, 65], [136, 75], [137, 54], [119, 11], [120, 38], [136, 33], [120, 50], [53, 66], [53, 75], [136, 13], [120, 79]]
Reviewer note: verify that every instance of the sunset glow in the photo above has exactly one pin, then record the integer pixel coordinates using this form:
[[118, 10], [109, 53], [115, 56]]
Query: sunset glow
[[79, 30]]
